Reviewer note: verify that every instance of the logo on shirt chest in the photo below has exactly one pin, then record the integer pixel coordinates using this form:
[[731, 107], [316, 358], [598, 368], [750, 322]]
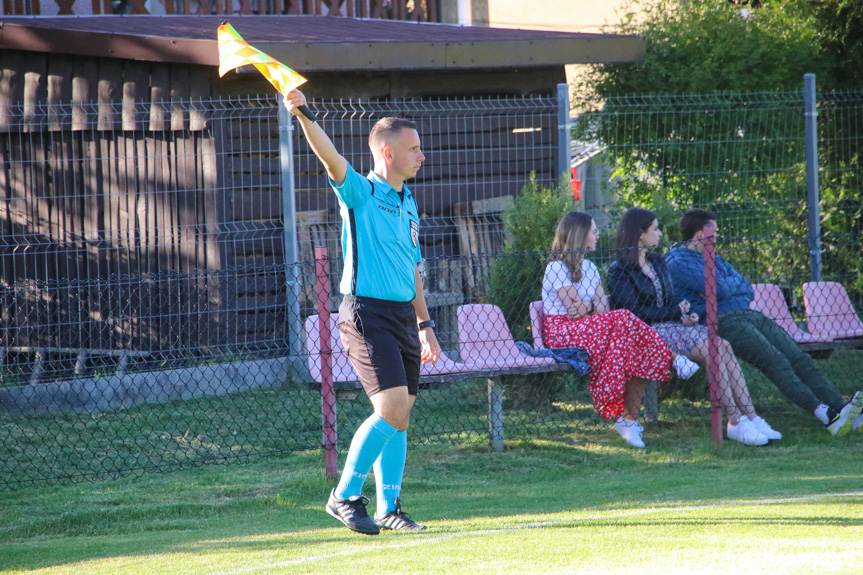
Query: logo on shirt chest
[[387, 208]]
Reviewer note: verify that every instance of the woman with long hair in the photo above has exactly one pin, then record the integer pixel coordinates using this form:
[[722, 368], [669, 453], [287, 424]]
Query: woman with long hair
[[640, 282], [624, 352]]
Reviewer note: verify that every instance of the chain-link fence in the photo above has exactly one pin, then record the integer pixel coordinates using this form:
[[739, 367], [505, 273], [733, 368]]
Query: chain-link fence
[[149, 319], [157, 235], [147, 307], [486, 388], [743, 156]]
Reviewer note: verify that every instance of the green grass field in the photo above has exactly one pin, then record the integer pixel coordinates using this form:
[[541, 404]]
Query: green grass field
[[581, 504]]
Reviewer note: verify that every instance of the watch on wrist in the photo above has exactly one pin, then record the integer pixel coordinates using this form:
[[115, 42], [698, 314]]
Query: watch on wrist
[[428, 323], [592, 307]]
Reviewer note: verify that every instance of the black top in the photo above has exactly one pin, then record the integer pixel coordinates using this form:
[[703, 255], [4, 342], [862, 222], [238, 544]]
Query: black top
[[631, 289]]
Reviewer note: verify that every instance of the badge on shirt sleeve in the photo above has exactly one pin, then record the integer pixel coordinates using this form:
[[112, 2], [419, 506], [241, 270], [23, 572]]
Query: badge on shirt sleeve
[[415, 232]]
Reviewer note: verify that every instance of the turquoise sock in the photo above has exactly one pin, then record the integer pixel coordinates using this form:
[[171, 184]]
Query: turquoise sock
[[368, 442], [389, 470]]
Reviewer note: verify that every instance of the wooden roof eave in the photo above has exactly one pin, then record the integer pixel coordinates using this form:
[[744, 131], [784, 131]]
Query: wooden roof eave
[[108, 45], [335, 56], [332, 57]]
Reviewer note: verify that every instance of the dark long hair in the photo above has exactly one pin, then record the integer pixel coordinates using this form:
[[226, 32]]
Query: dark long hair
[[635, 221]]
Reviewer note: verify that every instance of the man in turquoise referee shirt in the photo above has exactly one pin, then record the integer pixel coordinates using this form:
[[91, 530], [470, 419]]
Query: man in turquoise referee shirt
[[383, 320]]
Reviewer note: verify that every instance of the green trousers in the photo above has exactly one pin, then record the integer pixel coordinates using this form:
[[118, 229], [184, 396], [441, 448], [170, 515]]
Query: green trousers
[[757, 340]]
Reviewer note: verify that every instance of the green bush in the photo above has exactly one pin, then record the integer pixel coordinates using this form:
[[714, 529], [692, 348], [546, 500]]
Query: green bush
[[516, 275], [516, 280]]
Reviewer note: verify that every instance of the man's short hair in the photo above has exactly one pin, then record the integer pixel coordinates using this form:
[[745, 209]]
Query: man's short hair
[[387, 127], [693, 220]]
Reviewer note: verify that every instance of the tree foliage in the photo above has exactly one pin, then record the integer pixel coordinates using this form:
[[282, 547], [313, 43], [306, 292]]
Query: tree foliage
[[712, 117], [840, 33], [517, 273], [708, 46]]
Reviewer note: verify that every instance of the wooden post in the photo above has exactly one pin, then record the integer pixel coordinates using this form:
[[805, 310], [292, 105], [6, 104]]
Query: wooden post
[[328, 398], [712, 337]]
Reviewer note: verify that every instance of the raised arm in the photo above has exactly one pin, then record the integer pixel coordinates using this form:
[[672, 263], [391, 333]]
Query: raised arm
[[335, 164]]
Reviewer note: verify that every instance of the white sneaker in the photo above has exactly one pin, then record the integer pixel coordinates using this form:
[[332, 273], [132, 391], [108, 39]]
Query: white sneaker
[[631, 431], [685, 367], [821, 414], [857, 423], [843, 422], [765, 429], [746, 433]]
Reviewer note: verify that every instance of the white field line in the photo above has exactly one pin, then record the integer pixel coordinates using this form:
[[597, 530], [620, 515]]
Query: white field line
[[427, 540]]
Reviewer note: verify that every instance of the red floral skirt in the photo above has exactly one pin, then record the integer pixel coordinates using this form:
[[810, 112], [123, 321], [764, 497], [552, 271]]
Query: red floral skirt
[[621, 348]]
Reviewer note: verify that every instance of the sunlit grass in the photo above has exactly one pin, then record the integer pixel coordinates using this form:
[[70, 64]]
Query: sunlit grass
[[584, 503]]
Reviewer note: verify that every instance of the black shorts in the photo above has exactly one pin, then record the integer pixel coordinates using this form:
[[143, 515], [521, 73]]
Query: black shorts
[[382, 342]]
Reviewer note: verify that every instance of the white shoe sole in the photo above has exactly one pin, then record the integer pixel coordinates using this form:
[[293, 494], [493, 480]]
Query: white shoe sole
[[856, 409]]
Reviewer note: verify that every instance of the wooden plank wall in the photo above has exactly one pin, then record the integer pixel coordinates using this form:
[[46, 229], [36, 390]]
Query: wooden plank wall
[[484, 155], [108, 207], [109, 170]]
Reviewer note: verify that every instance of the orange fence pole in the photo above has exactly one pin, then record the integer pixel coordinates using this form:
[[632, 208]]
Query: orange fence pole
[[712, 337]]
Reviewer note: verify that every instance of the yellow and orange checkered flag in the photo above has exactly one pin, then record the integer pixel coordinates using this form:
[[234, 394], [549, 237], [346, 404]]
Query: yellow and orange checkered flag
[[235, 52]]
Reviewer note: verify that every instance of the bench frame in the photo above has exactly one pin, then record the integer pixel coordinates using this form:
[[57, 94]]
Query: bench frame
[[322, 346]]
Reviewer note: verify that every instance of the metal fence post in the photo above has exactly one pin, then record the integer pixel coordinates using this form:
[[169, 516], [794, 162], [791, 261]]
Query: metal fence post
[[495, 413], [812, 195], [712, 336], [297, 361], [563, 130]]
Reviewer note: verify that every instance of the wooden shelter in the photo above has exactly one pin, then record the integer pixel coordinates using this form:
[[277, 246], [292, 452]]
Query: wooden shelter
[[76, 94]]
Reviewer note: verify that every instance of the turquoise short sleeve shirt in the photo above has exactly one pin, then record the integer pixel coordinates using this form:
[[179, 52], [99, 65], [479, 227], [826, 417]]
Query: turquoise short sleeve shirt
[[380, 238]]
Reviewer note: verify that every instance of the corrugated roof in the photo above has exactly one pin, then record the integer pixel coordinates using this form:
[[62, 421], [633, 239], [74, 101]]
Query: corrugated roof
[[316, 43]]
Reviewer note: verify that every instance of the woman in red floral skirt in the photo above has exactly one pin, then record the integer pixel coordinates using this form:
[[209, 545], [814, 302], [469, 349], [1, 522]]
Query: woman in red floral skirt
[[624, 351]]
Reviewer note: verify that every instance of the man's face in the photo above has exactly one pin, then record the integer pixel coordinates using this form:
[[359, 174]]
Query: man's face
[[404, 153], [698, 239]]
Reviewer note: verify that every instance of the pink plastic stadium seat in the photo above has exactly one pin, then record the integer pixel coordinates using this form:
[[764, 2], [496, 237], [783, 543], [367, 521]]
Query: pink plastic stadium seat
[[829, 310], [770, 301], [444, 366], [342, 368], [485, 341], [537, 316]]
